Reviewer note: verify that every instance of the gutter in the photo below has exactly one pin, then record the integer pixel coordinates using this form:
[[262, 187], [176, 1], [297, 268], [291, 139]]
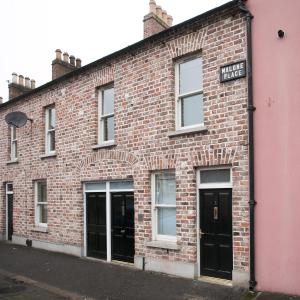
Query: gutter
[[251, 109]]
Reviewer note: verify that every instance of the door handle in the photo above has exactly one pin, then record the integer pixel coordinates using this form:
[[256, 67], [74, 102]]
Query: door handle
[[122, 230], [216, 212], [201, 233]]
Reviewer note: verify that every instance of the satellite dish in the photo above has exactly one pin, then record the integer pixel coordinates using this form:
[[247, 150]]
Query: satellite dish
[[16, 118]]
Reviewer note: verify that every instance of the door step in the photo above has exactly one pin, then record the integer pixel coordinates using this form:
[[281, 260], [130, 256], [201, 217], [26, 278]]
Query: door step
[[123, 263], [215, 280]]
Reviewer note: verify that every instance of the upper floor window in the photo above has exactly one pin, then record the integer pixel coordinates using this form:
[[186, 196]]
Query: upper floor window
[[164, 205], [50, 130], [13, 143], [189, 93], [106, 115], [41, 203]]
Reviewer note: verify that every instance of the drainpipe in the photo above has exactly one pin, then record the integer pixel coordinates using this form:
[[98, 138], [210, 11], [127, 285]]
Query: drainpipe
[[251, 109]]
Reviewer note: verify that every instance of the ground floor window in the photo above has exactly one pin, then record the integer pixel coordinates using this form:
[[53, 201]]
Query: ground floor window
[[41, 214], [164, 205]]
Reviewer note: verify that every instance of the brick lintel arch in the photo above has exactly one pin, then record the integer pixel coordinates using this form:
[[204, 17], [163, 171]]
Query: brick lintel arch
[[117, 155], [216, 157]]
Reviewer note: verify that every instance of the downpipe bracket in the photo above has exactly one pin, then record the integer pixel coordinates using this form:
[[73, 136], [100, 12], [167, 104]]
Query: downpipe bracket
[[252, 202], [251, 108]]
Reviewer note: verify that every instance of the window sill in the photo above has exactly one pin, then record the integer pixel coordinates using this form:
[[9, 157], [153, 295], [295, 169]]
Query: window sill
[[163, 245], [202, 129], [104, 145], [40, 229], [48, 155], [15, 161]]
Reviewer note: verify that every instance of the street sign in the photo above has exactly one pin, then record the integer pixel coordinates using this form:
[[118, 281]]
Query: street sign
[[233, 71]]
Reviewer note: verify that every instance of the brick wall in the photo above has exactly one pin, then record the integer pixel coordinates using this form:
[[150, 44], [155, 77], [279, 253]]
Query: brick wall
[[144, 115]]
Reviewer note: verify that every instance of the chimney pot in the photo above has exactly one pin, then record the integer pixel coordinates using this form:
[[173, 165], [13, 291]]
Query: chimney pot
[[169, 20], [1, 100], [152, 7], [159, 11], [66, 57], [164, 16], [21, 80], [155, 21], [72, 60], [27, 82], [78, 63], [58, 54], [15, 78], [32, 81]]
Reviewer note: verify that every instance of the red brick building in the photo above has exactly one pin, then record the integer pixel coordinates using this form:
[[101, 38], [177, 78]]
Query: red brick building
[[128, 157]]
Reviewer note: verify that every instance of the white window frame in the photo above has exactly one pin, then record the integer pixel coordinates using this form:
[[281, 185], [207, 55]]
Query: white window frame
[[215, 185], [13, 143], [48, 131], [37, 204], [102, 117], [178, 96], [7, 192], [205, 186], [107, 189], [155, 235]]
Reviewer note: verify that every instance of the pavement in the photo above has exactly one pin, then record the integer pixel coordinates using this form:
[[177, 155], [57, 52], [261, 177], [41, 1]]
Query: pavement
[[16, 289], [28, 273]]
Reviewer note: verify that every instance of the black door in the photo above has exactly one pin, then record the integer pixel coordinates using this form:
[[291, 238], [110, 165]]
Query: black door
[[96, 225], [9, 216], [216, 237], [122, 223]]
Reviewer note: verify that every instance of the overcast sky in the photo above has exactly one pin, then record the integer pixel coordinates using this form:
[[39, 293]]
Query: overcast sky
[[31, 30]]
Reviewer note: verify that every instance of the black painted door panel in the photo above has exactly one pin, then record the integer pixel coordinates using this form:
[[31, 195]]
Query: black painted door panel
[[10, 216], [96, 225], [216, 228], [122, 226]]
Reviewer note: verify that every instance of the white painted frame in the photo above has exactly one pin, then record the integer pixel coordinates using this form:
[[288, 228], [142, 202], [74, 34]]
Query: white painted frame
[[199, 187], [178, 97], [154, 212], [102, 117], [108, 192], [48, 131], [13, 143], [37, 204], [7, 192]]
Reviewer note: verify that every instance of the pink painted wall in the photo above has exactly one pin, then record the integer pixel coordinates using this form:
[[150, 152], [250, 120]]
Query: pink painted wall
[[277, 143]]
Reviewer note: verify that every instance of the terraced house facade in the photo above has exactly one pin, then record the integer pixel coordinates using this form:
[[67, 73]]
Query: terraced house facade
[[140, 156]]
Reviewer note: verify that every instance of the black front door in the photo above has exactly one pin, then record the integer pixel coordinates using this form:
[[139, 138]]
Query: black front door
[[216, 237], [122, 223], [9, 216], [96, 225]]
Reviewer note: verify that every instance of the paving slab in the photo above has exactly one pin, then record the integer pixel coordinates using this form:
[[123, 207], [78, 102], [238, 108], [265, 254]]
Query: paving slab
[[274, 296]]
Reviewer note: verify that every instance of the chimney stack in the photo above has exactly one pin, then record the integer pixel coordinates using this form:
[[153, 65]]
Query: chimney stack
[[72, 60], [78, 63], [156, 20], [63, 64], [18, 86], [32, 83]]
